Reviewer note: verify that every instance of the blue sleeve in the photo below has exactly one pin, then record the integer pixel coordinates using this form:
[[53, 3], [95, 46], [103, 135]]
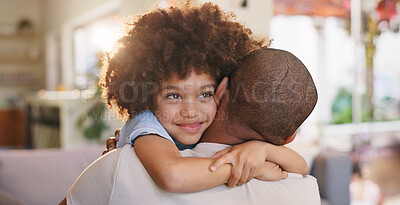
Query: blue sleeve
[[145, 123]]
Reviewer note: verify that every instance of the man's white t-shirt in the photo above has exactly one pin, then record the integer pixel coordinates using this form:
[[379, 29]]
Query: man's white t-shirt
[[120, 178]]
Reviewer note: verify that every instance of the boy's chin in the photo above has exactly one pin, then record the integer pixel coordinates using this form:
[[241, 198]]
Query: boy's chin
[[189, 142]]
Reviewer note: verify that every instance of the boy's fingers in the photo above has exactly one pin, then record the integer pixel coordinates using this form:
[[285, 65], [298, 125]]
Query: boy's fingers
[[220, 153], [225, 159], [284, 174], [249, 178], [281, 175], [117, 133], [111, 143], [236, 173], [245, 176], [252, 174]]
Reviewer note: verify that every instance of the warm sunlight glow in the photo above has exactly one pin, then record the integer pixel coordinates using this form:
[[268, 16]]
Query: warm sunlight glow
[[104, 39]]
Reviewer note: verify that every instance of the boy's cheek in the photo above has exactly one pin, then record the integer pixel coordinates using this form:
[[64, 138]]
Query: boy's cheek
[[212, 112], [163, 115]]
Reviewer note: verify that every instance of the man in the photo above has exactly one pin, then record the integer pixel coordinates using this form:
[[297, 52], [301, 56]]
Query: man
[[270, 96]]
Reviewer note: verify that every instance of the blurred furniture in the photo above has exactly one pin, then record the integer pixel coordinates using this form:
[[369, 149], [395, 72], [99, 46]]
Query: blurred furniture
[[39, 177], [23, 51], [53, 117], [19, 47], [332, 169], [12, 128]]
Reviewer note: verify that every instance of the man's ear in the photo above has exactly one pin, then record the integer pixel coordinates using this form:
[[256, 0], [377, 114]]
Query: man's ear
[[221, 90], [291, 138]]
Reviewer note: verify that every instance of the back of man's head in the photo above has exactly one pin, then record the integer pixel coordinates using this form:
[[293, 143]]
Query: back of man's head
[[271, 94]]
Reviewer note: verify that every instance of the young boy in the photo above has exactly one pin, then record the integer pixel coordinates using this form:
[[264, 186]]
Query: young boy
[[164, 75]]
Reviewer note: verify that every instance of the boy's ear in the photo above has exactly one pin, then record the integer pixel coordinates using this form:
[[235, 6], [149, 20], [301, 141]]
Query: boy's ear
[[221, 90]]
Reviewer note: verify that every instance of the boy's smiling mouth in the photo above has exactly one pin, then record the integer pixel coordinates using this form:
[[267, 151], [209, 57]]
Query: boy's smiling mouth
[[191, 127]]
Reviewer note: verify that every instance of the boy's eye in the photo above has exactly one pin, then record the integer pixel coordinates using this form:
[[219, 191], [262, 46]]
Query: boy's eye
[[173, 96], [207, 95]]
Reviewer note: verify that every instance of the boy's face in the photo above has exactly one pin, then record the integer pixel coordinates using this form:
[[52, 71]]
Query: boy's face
[[186, 108]]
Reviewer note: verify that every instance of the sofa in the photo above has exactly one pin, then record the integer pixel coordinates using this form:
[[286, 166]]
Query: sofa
[[41, 177]]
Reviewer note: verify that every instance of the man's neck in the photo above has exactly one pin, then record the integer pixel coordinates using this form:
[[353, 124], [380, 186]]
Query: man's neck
[[217, 133]]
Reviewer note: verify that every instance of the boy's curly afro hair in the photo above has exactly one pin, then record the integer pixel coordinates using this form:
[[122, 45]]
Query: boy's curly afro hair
[[163, 42]]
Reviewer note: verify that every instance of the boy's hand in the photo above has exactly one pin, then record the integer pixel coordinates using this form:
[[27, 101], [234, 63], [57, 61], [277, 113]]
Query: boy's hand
[[111, 142], [246, 159], [271, 172]]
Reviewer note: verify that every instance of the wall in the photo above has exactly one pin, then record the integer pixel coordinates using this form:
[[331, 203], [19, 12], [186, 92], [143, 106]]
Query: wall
[[256, 15], [136, 7], [60, 12]]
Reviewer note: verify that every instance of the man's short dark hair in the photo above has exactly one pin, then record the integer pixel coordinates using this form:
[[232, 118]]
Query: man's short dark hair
[[272, 94]]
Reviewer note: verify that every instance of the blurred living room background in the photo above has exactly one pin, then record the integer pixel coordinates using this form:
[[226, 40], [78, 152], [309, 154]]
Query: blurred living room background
[[50, 100]]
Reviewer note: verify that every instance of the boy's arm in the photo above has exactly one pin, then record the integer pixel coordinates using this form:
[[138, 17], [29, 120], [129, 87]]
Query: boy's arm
[[249, 151], [287, 159], [174, 173]]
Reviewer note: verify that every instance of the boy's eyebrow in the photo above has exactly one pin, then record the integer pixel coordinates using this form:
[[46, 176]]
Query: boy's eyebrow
[[211, 85], [166, 87], [173, 87]]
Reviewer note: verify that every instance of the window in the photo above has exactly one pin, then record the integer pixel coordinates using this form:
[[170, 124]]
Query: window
[[327, 50], [90, 41], [387, 77]]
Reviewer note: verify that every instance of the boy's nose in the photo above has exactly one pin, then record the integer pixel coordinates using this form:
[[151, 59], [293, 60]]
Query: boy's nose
[[189, 111]]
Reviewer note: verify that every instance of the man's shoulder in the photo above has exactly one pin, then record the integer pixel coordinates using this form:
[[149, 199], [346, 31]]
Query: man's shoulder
[[296, 187], [95, 184], [294, 176], [289, 191], [108, 163], [300, 182], [204, 149]]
